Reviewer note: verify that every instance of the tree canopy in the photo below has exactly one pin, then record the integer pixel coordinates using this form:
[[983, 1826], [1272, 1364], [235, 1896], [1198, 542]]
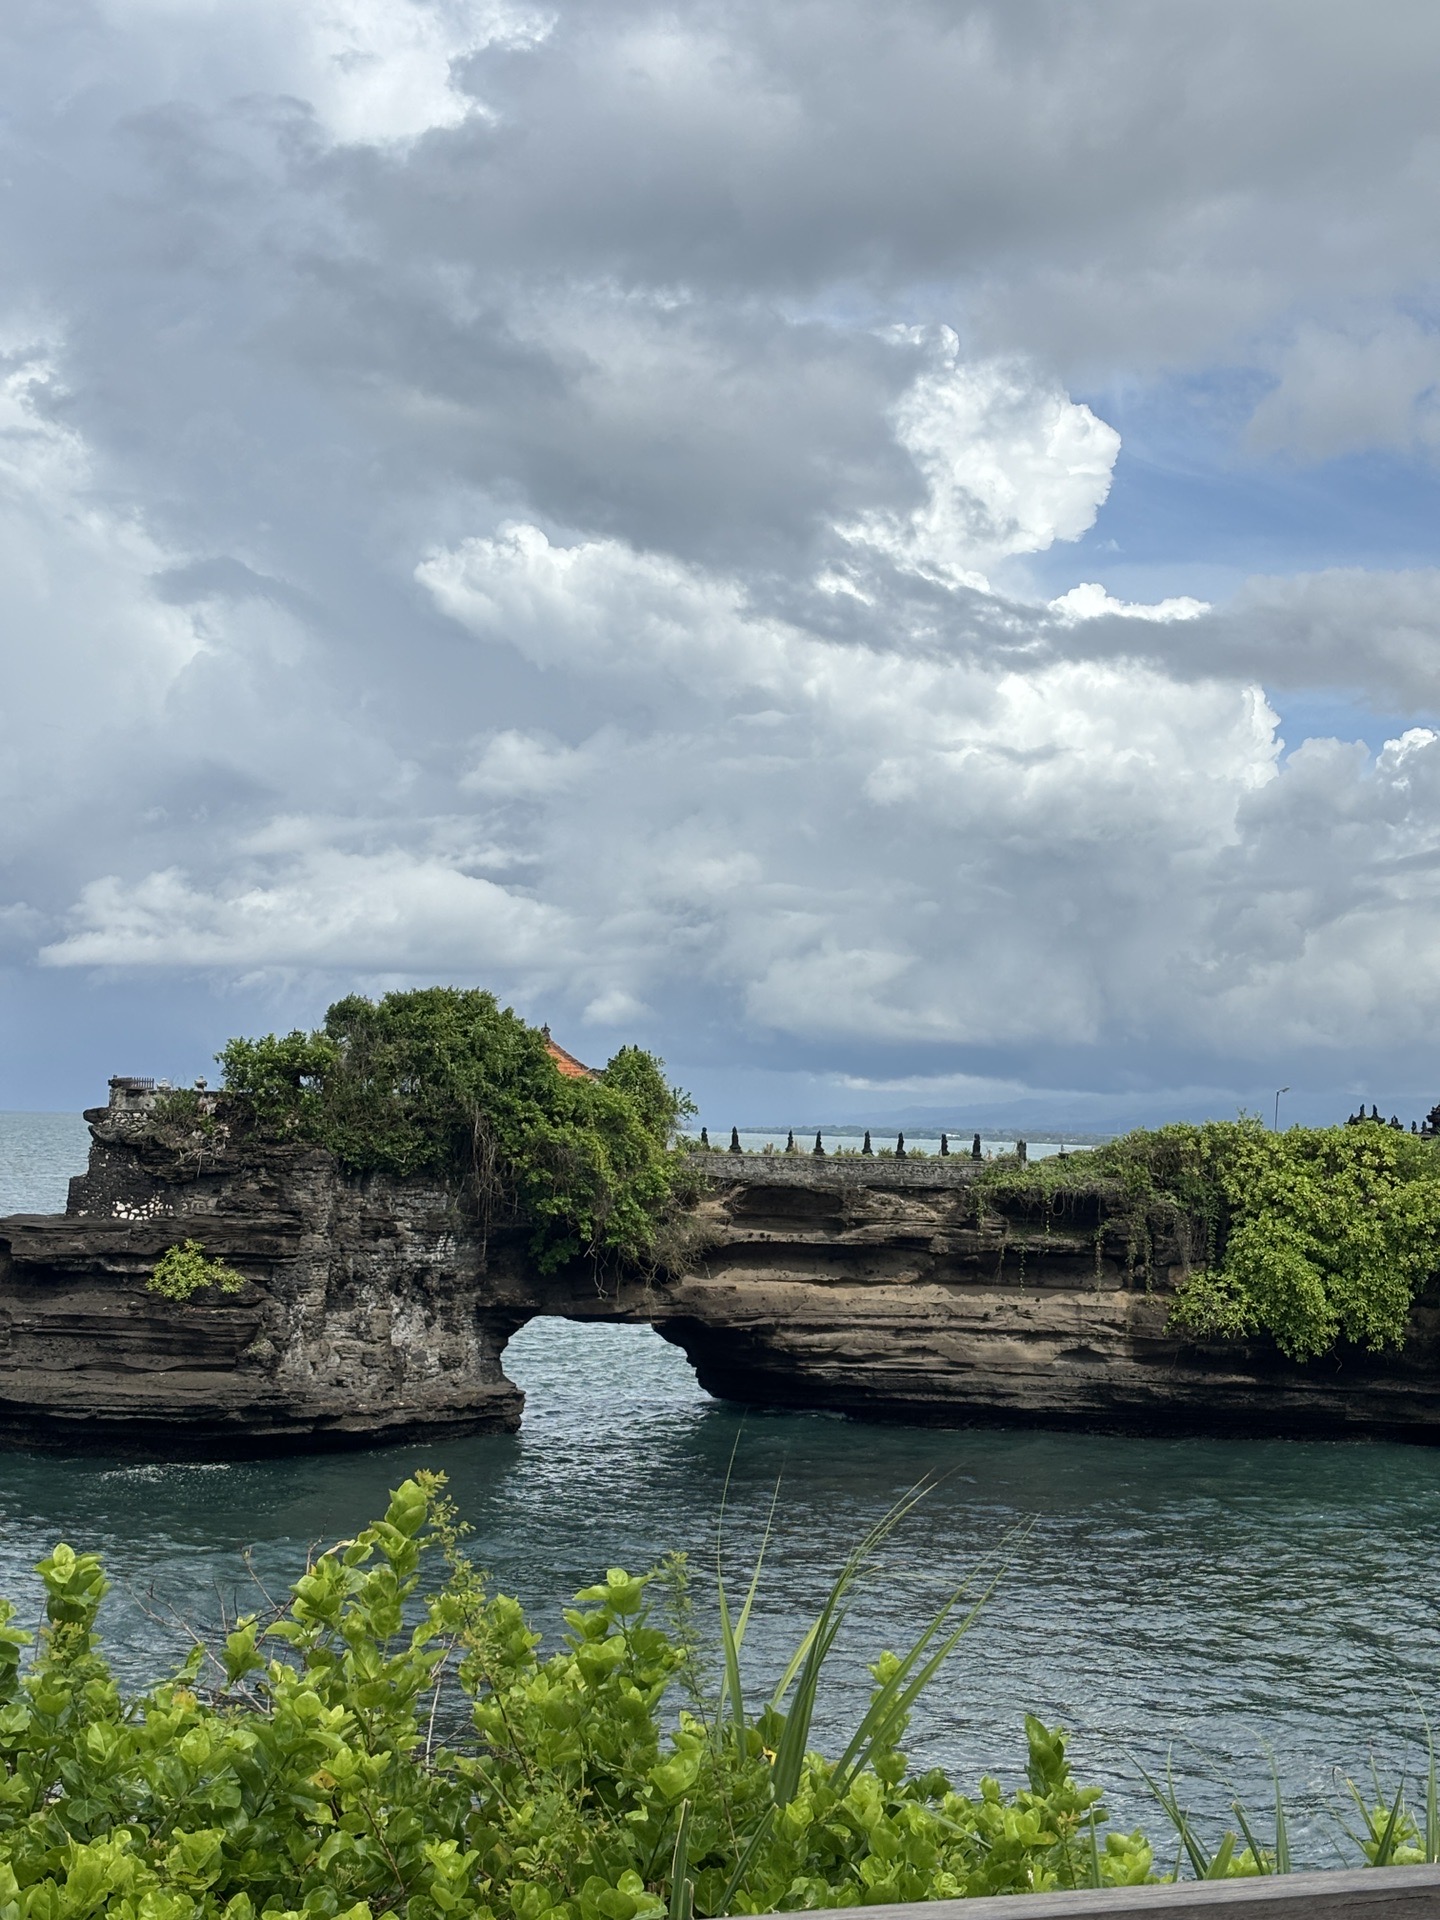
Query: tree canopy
[[443, 1081]]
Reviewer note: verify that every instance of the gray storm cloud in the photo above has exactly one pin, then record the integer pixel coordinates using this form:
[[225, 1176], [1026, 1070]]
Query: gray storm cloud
[[541, 495]]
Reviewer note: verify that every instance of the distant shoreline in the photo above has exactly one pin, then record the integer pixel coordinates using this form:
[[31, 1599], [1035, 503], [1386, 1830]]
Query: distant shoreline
[[1039, 1135]]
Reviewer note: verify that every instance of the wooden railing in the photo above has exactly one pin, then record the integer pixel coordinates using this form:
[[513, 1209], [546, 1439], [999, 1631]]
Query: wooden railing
[[1370, 1893]]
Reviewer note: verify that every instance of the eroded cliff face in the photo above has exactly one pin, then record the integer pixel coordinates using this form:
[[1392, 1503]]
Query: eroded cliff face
[[361, 1318], [895, 1290], [375, 1310]]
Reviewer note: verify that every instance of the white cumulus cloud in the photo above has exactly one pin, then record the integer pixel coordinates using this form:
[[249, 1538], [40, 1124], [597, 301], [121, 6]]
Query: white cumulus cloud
[[371, 71], [1010, 465], [387, 912], [1090, 601]]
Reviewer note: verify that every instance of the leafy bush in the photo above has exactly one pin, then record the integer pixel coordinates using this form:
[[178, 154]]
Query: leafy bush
[[447, 1083], [181, 1272], [381, 1745], [1314, 1236], [380, 1749]]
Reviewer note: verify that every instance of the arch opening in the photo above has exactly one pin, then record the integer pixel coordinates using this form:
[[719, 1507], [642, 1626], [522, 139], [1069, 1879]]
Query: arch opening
[[569, 1370]]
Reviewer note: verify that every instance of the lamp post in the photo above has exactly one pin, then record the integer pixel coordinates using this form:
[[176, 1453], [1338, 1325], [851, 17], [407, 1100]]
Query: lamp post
[[1278, 1092]]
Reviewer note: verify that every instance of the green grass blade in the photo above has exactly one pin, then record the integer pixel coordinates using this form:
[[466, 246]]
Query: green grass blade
[[797, 1660], [730, 1689], [732, 1633], [1387, 1840], [1219, 1867], [895, 1698], [1282, 1829], [744, 1619], [1262, 1859], [1349, 1832], [1094, 1852], [737, 1878], [1378, 1843], [795, 1736], [681, 1890], [1180, 1820]]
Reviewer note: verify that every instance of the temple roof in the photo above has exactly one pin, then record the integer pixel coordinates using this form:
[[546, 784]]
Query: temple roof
[[566, 1063]]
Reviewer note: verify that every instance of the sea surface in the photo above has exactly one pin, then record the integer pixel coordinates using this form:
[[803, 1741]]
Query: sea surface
[[1207, 1600]]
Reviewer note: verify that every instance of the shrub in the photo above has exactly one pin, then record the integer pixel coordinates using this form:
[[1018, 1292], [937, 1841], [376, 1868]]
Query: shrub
[[380, 1749], [383, 1743], [183, 1271], [1332, 1232], [1314, 1236]]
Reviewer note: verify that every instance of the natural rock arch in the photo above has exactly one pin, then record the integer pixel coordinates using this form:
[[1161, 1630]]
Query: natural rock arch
[[375, 1310]]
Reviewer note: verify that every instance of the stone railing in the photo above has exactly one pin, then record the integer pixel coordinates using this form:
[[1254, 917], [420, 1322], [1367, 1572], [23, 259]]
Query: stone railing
[[833, 1170], [1384, 1893]]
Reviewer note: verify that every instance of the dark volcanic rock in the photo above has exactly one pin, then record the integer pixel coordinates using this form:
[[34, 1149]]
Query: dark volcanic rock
[[360, 1320], [376, 1310]]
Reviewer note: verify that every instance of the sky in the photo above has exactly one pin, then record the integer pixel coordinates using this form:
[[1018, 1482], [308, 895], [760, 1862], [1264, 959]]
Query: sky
[[886, 552]]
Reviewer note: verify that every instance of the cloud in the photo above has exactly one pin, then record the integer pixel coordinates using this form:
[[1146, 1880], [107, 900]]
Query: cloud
[[388, 912], [1374, 635], [1018, 152], [578, 498], [1010, 465], [1090, 601], [1344, 391], [1145, 819], [958, 802], [514, 765], [90, 653], [371, 71]]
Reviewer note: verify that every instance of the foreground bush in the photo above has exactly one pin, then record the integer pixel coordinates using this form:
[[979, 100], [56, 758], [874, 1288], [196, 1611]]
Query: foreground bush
[[378, 1748]]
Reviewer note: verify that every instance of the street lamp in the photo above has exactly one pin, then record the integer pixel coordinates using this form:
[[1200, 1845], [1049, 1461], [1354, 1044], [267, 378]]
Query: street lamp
[[1278, 1092]]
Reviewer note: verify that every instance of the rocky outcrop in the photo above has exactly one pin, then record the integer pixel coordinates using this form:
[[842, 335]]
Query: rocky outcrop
[[362, 1317], [893, 1290], [377, 1310]]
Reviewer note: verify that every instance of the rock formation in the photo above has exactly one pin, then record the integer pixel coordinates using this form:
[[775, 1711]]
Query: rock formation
[[376, 1309], [894, 1290]]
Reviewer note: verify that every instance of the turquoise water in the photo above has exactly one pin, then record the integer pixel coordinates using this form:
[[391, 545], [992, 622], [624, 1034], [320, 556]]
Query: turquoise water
[[1210, 1596], [38, 1153]]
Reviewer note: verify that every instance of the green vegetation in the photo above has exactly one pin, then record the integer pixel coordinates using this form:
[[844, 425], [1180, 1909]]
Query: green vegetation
[[381, 1744], [182, 1110], [181, 1272], [445, 1082], [1315, 1236], [380, 1749]]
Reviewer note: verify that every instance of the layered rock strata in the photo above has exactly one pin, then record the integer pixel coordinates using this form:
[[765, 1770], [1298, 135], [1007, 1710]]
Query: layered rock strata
[[362, 1318], [896, 1290], [377, 1310]]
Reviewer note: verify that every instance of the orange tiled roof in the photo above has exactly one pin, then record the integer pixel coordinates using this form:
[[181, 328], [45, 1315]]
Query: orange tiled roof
[[566, 1063]]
